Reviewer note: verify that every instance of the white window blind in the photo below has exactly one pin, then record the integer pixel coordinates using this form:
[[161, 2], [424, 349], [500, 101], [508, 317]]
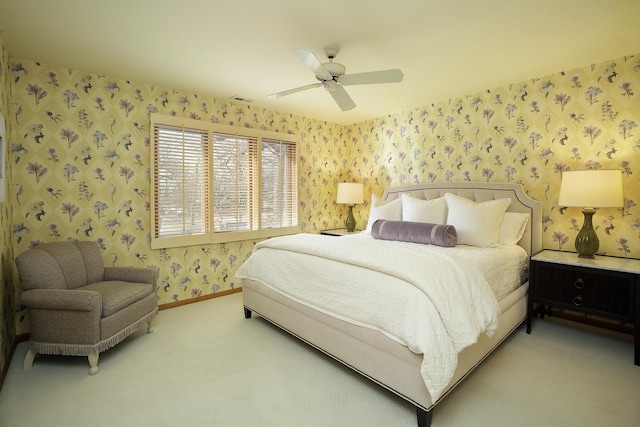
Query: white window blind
[[234, 182], [214, 183], [182, 181], [279, 184]]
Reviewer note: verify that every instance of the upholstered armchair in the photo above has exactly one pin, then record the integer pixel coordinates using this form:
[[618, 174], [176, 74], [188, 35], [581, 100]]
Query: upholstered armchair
[[79, 307]]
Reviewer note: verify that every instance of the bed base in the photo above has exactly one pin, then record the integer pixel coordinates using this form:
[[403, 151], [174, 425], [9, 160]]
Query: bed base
[[423, 416], [371, 354]]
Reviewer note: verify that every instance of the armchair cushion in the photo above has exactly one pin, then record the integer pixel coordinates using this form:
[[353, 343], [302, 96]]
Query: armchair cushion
[[117, 295], [132, 274]]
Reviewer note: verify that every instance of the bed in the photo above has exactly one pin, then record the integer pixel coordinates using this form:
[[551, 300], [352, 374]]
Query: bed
[[406, 363]]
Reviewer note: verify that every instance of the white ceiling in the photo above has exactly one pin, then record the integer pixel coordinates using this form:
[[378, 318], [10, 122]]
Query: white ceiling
[[225, 48]]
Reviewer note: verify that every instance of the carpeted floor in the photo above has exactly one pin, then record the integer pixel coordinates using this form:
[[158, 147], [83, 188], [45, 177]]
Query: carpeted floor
[[208, 366]]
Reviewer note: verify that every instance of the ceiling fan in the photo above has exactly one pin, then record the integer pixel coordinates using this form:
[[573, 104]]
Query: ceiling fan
[[331, 75]]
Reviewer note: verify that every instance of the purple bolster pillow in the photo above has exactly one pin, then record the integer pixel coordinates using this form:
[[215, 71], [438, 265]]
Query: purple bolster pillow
[[415, 232]]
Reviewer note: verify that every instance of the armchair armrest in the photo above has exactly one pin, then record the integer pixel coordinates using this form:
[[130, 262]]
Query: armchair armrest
[[132, 274], [62, 299]]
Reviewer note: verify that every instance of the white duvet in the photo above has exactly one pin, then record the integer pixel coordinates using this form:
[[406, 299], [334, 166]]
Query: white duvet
[[422, 296]]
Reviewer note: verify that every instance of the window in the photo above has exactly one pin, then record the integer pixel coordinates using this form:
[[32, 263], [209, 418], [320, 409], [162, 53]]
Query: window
[[214, 183]]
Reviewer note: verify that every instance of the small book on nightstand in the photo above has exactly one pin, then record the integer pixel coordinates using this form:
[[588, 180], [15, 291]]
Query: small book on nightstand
[[339, 232]]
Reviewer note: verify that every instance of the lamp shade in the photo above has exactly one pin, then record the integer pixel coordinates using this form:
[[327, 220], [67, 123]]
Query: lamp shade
[[350, 193], [591, 189]]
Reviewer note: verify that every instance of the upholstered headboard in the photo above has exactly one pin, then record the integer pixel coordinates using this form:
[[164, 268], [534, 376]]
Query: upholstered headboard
[[477, 191]]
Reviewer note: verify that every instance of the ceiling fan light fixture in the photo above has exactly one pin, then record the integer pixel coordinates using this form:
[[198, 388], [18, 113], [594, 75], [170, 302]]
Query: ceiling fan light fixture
[[330, 85], [331, 75]]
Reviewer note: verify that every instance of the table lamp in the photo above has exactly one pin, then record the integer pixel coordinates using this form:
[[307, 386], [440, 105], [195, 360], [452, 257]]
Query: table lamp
[[589, 189], [350, 194]]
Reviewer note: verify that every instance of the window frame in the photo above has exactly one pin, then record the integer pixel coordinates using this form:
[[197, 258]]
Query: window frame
[[209, 236]]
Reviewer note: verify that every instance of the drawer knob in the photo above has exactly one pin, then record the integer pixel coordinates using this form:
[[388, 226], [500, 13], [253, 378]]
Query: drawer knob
[[579, 283], [577, 301]]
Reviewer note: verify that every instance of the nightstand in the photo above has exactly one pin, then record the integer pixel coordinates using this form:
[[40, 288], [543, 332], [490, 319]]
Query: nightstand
[[601, 292], [339, 232]]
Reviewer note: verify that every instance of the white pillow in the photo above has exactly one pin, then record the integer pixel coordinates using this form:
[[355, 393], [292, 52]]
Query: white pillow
[[477, 224], [512, 227], [379, 210], [419, 210]]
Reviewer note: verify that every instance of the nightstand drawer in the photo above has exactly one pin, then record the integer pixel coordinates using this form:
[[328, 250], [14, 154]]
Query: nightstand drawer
[[609, 294]]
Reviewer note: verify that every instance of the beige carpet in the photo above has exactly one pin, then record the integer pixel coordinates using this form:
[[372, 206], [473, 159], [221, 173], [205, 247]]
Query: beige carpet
[[208, 366]]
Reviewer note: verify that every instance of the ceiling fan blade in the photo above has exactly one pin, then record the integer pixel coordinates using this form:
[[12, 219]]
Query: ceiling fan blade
[[372, 77], [290, 91], [342, 98], [312, 62]]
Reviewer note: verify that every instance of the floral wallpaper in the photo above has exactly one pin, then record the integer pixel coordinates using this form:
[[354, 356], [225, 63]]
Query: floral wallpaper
[[528, 133], [79, 154]]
